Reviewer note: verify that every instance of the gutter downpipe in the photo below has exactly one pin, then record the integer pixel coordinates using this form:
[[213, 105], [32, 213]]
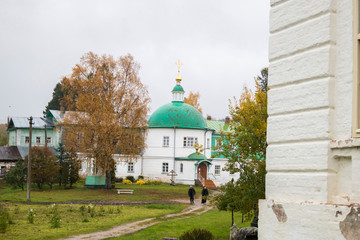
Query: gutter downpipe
[[174, 150]]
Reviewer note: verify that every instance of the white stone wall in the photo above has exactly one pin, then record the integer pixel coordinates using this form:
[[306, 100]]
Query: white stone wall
[[312, 162]]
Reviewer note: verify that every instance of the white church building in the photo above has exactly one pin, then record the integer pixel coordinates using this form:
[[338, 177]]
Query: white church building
[[173, 130]]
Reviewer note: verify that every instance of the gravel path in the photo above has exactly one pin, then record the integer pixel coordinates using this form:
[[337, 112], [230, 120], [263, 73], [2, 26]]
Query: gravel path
[[132, 227]]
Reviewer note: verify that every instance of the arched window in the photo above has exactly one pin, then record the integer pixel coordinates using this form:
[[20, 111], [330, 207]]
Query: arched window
[[181, 167]]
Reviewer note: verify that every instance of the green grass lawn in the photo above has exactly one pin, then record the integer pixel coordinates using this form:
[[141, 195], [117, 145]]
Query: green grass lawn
[[73, 219], [162, 192], [217, 222]]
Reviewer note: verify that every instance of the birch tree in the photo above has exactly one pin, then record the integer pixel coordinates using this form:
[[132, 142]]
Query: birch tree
[[111, 105]]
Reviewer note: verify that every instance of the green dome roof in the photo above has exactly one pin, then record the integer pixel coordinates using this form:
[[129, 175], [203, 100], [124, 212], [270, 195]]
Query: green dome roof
[[196, 156], [178, 88], [179, 115]]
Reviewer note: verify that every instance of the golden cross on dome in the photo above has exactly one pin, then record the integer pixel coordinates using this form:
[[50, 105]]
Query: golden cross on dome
[[178, 64]]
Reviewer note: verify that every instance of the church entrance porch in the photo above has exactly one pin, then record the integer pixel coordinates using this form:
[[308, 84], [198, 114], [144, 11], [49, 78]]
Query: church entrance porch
[[202, 171]]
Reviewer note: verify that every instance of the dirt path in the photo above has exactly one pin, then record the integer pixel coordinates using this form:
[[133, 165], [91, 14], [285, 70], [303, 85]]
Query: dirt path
[[126, 228]]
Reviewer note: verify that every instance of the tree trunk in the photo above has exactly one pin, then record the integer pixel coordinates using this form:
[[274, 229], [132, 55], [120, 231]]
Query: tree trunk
[[108, 180]]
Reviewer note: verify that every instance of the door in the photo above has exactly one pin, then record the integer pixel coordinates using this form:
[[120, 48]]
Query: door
[[202, 170]]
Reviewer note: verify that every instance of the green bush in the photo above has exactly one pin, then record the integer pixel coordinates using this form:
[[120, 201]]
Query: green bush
[[15, 177], [55, 217], [197, 234], [30, 216]]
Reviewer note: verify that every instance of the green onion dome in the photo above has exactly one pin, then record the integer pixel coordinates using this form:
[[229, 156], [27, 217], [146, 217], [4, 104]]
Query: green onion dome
[[177, 115]]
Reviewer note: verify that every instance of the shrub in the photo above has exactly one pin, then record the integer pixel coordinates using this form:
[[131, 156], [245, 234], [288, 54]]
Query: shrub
[[140, 177], [119, 180], [4, 219], [127, 181], [15, 177], [197, 234], [111, 209], [82, 210], [118, 209], [102, 211], [91, 210], [131, 178], [141, 182], [30, 216], [55, 217]]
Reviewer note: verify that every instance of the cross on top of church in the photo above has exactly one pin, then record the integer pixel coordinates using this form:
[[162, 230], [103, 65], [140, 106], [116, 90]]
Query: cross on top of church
[[178, 64]]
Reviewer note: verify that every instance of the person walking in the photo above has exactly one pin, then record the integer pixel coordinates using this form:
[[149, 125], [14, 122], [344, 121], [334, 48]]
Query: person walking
[[204, 195], [191, 194]]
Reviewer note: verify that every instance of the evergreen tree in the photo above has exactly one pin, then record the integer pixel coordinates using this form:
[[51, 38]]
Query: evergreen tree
[[54, 103], [69, 166]]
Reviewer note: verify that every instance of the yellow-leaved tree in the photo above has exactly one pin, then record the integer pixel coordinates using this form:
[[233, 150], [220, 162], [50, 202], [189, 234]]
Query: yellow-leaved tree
[[111, 105], [194, 100], [245, 147]]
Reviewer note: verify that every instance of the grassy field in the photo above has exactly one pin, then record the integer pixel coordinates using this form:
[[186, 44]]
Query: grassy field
[[217, 222], [74, 221], [162, 192]]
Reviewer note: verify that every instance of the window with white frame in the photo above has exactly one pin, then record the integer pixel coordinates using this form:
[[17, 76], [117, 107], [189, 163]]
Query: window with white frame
[[38, 140], [181, 167], [190, 141], [48, 140], [165, 167], [208, 143], [166, 141], [27, 139], [356, 72], [130, 167], [217, 169]]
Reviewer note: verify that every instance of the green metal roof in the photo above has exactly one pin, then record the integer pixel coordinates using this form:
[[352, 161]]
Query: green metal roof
[[197, 156], [218, 126], [178, 115], [178, 88]]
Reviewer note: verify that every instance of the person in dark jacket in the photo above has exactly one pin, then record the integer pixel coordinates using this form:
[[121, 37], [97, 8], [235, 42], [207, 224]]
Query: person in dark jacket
[[191, 194], [204, 195]]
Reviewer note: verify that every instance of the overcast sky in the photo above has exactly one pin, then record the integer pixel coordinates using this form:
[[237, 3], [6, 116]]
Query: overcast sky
[[223, 45]]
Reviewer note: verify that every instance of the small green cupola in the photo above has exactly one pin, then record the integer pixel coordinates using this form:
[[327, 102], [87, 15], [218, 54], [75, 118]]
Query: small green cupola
[[178, 91]]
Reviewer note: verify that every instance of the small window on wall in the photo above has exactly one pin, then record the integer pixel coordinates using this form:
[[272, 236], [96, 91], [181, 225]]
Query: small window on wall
[[166, 141], [130, 167], [27, 139], [165, 167], [38, 140], [217, 169], [181, 167], [48, 140], [208, 143]]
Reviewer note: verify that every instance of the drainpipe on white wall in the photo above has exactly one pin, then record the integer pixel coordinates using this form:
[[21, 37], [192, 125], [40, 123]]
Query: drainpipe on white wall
[[205, 142], [174, 150]]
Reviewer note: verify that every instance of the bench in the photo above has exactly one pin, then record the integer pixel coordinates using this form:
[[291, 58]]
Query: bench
[[128, 191]]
